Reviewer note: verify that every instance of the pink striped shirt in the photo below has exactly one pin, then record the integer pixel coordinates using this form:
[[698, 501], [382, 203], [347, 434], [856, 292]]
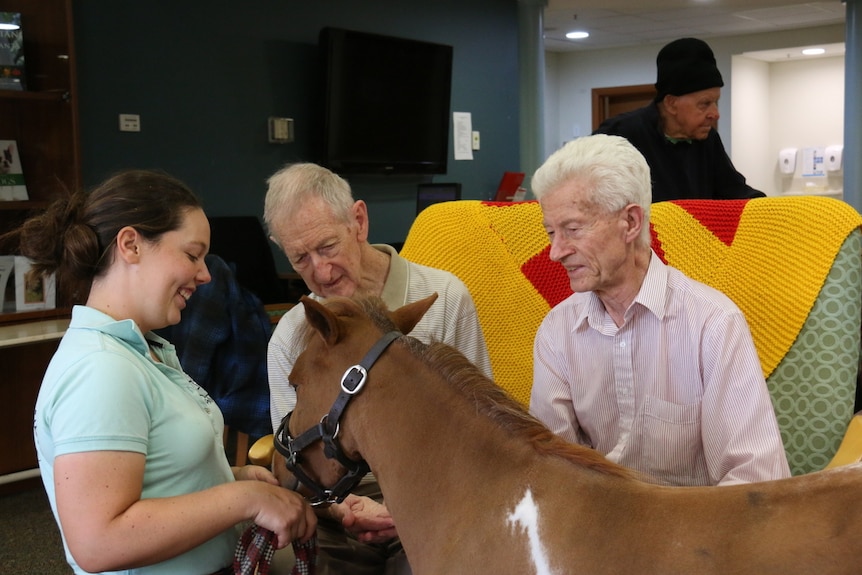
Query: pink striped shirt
[[677, 391]]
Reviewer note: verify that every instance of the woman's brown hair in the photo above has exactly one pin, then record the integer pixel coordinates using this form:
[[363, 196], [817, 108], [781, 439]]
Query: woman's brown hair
[[74, 236]]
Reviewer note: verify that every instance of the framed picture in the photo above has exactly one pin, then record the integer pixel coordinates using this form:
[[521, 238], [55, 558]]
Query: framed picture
[[7, 265], [12, 186], [33, 293]]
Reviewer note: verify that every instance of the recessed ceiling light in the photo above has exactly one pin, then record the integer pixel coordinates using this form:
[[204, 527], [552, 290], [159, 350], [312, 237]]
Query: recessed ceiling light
[[577, 35], [813, 51], [6, 26]]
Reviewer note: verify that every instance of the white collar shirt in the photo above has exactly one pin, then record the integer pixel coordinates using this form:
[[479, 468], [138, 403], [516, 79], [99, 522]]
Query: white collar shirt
[[676, 391]]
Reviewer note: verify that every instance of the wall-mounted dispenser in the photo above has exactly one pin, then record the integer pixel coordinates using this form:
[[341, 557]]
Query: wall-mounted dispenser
[[832, 158], [787, 160]]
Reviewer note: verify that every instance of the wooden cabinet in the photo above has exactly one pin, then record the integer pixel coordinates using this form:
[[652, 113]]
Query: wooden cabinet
[[44, 122], [25, 350], [43, 119], [23, 367]]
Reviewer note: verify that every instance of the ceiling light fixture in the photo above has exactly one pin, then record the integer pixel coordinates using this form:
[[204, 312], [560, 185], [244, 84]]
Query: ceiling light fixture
[[814, 51], [8, 26], [577, 35]]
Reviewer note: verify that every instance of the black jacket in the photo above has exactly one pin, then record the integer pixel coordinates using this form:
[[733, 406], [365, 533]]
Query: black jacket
[[683, 170]]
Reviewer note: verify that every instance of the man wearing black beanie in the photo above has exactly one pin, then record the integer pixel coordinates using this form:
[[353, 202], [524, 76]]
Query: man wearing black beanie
[[676, 132]]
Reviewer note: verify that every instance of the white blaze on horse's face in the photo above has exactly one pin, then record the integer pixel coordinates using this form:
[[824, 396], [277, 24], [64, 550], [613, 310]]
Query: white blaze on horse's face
[[526, 516]]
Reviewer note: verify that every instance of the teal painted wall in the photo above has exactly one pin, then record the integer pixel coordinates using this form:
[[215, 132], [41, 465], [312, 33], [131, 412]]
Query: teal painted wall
[[205, 76]]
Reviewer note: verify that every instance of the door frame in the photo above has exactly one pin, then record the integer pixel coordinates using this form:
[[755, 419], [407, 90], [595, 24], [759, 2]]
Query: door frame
[[604, 99]]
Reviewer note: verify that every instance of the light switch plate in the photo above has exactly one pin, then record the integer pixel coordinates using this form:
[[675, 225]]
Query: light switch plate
[[130, 123], [280, 130]]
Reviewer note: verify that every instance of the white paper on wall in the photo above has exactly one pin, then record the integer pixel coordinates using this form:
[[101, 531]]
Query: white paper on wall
[[812, 162], [463, 134]]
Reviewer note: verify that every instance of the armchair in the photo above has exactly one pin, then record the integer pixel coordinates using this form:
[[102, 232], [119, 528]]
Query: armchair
[[792, 264]]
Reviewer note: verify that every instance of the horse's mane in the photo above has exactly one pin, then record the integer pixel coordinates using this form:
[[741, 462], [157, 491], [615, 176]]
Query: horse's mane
[[493, 402], [490, 399]]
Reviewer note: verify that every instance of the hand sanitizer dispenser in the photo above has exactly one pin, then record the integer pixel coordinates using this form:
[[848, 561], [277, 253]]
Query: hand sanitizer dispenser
[[787, 161], [832, 158]]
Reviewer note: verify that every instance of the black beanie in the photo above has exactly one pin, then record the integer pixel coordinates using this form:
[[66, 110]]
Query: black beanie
[[684, 66]]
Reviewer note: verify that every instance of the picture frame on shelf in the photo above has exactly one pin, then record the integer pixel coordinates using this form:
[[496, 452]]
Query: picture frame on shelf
[[12, 71], [7, 267], [33, 293], [12, 186]]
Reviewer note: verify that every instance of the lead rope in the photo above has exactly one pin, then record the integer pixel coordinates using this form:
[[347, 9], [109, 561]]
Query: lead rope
[[306, 557], [256, 547]]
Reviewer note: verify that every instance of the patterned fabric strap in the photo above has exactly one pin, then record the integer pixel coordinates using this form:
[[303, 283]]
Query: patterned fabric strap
[[306, 557], [256, 547]]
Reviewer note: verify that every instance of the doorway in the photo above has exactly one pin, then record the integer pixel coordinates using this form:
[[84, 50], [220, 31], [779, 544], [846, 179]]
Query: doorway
[[609, 102]]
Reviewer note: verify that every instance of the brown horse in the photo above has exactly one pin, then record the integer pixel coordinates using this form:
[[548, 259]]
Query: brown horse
[[476, 485]]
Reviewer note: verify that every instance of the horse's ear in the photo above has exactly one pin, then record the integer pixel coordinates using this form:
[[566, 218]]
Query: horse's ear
[[321, 319], [408, 316]]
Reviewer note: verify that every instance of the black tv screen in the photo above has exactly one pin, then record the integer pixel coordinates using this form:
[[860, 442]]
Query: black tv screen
[[386, 103]]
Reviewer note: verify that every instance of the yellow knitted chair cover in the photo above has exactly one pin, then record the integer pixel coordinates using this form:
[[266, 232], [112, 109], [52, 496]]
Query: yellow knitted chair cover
[[486, 245], [770, 255]]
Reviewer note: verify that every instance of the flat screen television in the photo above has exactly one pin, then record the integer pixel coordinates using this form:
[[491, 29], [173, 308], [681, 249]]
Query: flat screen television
[[386, 103]]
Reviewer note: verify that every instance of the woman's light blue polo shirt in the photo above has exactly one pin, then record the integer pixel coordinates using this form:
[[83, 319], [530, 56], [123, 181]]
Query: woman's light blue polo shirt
[[103, 392]]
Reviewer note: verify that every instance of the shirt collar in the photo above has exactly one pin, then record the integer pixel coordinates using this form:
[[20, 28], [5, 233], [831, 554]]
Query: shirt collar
[[394, 293], [652, 296], [653, 292], [126, 330], [673, 140]]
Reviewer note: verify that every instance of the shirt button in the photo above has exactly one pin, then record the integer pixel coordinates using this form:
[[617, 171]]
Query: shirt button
[[622, 344]]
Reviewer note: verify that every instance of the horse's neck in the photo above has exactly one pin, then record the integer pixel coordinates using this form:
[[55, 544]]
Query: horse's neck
[[418, 434], [449, 473]]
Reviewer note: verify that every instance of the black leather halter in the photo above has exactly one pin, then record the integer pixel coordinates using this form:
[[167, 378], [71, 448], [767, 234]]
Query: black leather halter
[[327, 430]]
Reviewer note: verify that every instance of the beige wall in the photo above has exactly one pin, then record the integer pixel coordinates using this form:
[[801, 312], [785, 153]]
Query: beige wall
[[571, 76], [802, 106], [750, 123]]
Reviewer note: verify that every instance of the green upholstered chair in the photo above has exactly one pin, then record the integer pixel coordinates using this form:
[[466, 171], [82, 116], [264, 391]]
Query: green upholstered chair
[[814, 386]]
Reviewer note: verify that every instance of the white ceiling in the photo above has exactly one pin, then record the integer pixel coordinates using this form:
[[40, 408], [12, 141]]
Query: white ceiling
[[614, 23]]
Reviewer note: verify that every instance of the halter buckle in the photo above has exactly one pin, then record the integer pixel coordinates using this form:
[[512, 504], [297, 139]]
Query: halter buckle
[[353, 379]]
